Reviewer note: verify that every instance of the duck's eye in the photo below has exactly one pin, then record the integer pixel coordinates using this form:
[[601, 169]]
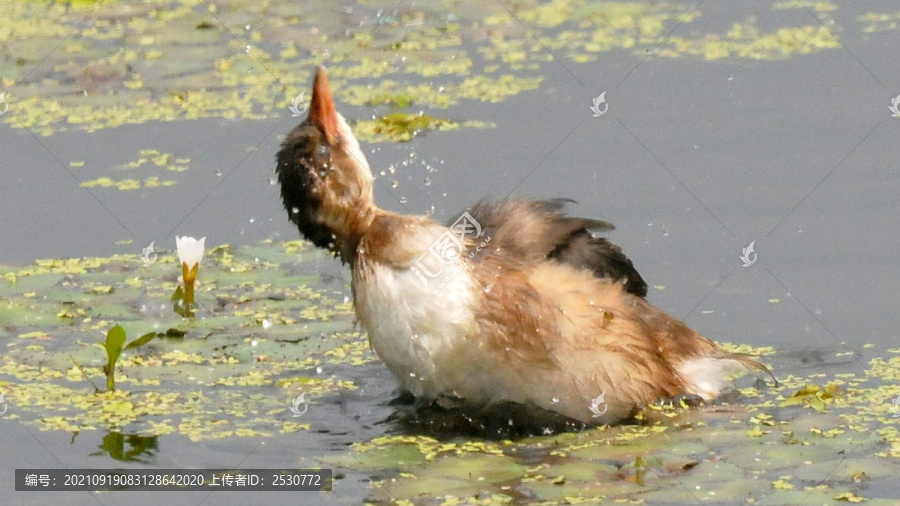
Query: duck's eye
[[323, 151]]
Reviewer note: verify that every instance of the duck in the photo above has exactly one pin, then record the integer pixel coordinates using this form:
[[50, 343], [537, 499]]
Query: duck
[[513, 301]]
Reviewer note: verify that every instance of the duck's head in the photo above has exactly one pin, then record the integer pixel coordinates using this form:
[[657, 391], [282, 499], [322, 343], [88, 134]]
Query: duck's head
[[326, 183]]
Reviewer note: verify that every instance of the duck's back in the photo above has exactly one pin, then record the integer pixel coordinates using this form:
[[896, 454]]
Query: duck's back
[[532, 231]]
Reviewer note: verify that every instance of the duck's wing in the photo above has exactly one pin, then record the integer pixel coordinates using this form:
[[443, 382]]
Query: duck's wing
[[536, 230]]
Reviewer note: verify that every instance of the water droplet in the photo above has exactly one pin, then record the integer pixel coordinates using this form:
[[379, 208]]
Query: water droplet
[[555, 400], [218, 172], [267, 324], [319, 370], [252, 220], [246, 27], [253, 343], [427, 181], [412, 375], [272, 181], [295, 210], [248, 49]]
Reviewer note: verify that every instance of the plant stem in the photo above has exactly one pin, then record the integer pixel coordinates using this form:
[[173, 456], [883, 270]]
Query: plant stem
[[190, 277], [188, 293]]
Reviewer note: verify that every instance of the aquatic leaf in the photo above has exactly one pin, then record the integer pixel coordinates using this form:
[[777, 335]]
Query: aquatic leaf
[[756, 431], [35, 335], [144, 339], [115, 341], [174, 333], [849, 497], [401, 126], [783, 484]]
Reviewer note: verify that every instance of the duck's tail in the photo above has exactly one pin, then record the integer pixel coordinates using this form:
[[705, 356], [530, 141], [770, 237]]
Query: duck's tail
[[750, 364], [708, 376]]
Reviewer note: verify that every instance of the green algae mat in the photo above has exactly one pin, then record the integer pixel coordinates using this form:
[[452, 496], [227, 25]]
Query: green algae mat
[[264, 325], [254, 325], [270, 329], [169, 60]]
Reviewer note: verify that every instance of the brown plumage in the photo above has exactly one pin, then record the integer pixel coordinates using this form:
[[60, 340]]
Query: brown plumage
[[535, 230], [535, 309]]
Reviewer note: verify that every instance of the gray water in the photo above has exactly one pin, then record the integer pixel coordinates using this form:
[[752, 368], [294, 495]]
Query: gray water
[[693, 160]]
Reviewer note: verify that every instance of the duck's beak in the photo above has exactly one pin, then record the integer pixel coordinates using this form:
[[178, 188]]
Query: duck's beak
[[321, 109]]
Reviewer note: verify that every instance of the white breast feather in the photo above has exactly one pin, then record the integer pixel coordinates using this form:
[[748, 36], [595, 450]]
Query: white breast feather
[[417, 328]]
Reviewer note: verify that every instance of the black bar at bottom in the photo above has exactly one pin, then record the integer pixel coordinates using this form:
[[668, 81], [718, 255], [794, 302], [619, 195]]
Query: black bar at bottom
[[182, 480]]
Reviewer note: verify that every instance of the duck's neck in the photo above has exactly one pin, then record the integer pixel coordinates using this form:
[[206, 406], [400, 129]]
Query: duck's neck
[[348, 230]]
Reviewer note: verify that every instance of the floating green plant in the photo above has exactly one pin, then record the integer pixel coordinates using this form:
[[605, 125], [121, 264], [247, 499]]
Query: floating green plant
[[205, 380], [114, 346], [814, 396], [401, 126], [128, 184]]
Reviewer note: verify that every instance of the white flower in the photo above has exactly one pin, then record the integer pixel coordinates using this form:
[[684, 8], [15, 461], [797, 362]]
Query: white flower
[[190, 250]]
